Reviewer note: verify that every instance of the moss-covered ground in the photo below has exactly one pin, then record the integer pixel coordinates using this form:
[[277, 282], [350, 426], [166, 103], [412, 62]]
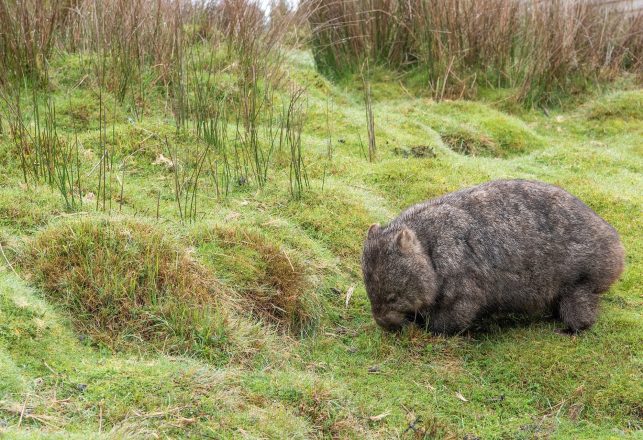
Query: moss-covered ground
[[287, 353]]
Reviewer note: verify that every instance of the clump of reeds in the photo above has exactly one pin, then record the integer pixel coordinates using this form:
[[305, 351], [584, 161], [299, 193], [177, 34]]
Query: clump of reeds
[[29, 34], [370, 118], [187, 173], [45, 155], [216, 63], [292, 127], [538, 48]]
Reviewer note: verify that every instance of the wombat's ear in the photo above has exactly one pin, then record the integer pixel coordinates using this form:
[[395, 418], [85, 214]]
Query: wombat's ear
[[406, 239], [374, 229]]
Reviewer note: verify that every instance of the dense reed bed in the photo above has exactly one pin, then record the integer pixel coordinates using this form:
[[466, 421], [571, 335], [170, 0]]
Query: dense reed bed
[[539, 48]]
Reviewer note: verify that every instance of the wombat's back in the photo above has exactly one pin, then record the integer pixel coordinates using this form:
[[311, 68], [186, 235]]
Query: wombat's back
[[521, 242]]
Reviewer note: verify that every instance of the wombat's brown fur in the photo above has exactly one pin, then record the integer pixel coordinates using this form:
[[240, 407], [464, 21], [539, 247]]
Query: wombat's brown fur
[[504, 246]]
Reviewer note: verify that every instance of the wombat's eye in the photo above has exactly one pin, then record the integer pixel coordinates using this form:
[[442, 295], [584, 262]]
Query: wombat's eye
[[391, 298]]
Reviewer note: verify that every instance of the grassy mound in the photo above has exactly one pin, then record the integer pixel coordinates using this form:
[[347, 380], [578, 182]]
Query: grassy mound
[[620, 105], [476, 129], [618, 113], [123, 281], [416, 180], [273, 282], [130, 396]]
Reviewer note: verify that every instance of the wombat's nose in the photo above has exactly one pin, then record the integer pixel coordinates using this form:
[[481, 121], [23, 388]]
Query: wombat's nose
[[388, 324]]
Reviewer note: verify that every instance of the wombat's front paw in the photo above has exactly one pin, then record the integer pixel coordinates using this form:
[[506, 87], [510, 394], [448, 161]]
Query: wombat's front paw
[[566, 331]]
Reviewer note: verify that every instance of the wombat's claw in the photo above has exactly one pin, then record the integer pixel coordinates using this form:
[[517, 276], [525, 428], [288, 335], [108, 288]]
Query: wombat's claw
[[566, 331]]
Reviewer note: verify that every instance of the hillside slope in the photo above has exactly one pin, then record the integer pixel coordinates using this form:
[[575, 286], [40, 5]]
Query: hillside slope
[[127, 322]]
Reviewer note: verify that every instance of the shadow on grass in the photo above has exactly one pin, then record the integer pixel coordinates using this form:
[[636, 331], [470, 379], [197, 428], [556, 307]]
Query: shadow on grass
[[498, 324]]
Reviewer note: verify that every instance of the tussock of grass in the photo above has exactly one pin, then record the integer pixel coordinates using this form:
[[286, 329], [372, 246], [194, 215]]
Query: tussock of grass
[[622, 105], [476, 129], [72, 388], [271, 280], [125, 281]]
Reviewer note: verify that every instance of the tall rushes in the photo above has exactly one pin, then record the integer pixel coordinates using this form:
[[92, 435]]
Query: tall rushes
[[187, 171], [460, 45], [46, 157], [67, 170], [139, 40], [215, 66], [537, 47], [259, 76], [235, 42], [215, 134], [571, 41], [345, 32], [209, 110], [293, 125], [368, 107], [28, 36]]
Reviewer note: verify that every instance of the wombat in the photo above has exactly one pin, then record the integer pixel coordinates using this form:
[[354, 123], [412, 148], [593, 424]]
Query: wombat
[[506, 246]]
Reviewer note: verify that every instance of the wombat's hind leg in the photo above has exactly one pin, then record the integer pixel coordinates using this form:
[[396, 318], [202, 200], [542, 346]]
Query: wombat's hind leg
[[578, 308]]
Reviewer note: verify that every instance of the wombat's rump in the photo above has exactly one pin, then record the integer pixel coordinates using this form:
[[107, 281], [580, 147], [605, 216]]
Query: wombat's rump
[[504, 246]]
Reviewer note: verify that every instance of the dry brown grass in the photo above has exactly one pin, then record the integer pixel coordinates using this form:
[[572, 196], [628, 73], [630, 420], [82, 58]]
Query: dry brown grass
[[130, 40], [538, 48]]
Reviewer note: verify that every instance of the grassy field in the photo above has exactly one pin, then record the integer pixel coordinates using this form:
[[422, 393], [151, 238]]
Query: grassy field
[[251, 320]]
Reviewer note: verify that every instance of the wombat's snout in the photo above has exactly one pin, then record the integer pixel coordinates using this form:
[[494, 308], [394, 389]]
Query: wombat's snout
[[391, 321]]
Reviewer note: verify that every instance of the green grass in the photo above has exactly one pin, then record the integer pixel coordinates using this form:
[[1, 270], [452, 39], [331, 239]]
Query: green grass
[[83, 350]]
